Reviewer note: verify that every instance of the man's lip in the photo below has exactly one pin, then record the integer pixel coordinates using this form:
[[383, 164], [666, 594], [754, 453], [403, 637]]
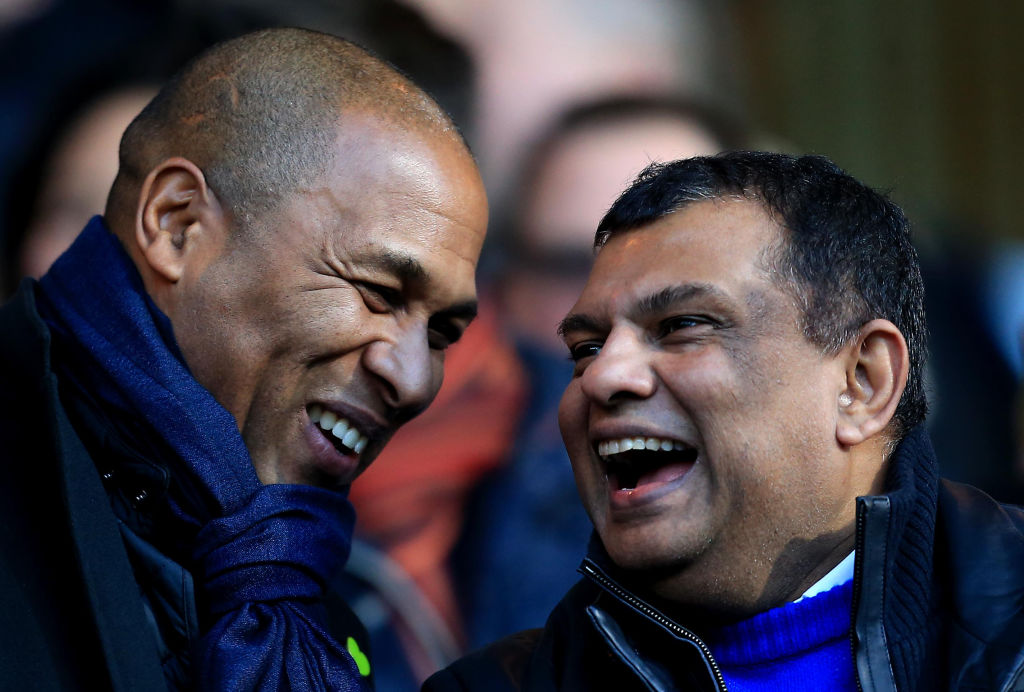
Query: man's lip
[[625, 500], [333, 462], [330, 462], [369, 423]]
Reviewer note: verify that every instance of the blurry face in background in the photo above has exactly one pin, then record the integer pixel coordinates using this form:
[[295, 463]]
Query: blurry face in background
[[78, 177], [582, 176]]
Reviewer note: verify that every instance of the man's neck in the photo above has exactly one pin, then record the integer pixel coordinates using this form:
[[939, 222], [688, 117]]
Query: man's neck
[[834, 557]]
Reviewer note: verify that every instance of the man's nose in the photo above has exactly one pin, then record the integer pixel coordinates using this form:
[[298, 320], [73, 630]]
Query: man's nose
[[406, 369], [621, 370]]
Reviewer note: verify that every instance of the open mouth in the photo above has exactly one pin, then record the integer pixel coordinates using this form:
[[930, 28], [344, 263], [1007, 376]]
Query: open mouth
[[632, 462], [339, 431]]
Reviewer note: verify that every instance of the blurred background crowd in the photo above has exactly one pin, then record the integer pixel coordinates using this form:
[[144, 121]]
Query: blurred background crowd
[[469, 525]]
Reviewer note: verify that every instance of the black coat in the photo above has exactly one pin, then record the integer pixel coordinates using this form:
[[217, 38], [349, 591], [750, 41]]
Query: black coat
[[85, 602], [72, 616], [938, 604]]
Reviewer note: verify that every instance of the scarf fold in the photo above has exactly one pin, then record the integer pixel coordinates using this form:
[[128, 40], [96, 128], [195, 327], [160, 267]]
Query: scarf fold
[[263, 554]]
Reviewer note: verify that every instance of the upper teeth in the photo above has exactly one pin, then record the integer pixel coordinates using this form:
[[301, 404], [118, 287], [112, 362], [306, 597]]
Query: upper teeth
[[609, 447], [339, 427]]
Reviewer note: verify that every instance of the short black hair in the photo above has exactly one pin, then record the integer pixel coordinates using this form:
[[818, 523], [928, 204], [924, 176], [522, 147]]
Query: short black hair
[[845, 251]]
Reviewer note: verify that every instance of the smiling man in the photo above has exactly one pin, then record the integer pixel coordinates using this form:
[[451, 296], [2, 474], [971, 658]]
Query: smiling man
[[287, 251], [745, 425]]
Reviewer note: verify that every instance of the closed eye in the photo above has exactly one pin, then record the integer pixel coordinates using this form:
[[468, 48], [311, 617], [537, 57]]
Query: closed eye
[[442, 334], [378, 298], [679, 323]]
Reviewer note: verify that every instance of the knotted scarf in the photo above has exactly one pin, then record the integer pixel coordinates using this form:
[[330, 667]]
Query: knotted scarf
[[262, 555]]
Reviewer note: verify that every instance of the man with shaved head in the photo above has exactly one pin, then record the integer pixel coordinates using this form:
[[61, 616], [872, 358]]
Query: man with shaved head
[[288, 249]]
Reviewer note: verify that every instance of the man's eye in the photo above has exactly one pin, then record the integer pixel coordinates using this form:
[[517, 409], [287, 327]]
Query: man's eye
[[379, 298], [675, 324], [440, 337], [586, 349]]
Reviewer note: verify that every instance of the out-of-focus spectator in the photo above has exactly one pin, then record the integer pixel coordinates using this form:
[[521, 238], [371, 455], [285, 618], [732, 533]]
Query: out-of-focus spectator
[[536, 58], [528, 530], [77, 178], [411, 507], [971, 373]]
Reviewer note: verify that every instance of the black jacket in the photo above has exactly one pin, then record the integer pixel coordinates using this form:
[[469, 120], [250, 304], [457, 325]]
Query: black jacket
[[938, 604], [86, 602], [72, 616]]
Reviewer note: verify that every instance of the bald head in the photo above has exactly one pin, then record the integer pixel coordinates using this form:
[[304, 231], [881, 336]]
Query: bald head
[[260, 114]]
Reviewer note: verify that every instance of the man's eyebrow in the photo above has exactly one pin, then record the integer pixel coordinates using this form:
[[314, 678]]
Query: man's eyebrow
[[405, 267], [459, 311], [670, 295], [580, 323], [651, 304]]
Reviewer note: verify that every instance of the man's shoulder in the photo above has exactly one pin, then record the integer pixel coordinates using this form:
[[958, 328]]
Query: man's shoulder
[[980, 558], [499, 666], [974, 524], [980, 541]]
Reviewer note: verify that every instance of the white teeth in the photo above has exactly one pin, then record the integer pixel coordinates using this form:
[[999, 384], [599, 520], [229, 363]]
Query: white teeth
[[340, 428], [350, 438], [607, 448]]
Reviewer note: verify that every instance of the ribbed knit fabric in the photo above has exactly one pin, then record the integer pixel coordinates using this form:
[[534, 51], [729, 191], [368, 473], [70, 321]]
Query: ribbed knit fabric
[[912, 488], [798, 646]]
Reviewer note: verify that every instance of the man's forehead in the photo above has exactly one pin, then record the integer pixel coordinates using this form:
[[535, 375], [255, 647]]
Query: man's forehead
[[716, 246]]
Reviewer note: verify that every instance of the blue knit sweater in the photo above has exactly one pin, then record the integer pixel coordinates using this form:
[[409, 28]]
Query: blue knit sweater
[[798, 646]]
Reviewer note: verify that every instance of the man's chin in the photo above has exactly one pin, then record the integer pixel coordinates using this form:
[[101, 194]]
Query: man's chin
[[657, 558]]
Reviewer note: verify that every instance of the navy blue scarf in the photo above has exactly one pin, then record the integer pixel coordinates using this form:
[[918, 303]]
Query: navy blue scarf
[[262, 555]]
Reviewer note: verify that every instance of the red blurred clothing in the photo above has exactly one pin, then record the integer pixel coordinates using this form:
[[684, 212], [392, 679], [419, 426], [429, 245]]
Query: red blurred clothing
[[410, 501]]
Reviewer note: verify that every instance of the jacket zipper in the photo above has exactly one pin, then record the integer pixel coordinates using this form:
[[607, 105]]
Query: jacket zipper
[[653, 614], [857, 576]]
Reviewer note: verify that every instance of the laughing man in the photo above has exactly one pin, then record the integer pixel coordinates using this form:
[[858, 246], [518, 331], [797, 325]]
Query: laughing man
[[287, 250], [745, 425]]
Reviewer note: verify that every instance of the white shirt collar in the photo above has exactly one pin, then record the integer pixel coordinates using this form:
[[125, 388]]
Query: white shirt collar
[[840, 574]]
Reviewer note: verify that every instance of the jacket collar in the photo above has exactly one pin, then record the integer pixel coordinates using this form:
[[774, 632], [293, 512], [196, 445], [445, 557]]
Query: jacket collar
[[895, 534]]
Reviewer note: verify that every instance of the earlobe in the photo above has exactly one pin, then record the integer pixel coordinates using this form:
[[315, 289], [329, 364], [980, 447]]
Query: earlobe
[[174, 204], [876, 375]]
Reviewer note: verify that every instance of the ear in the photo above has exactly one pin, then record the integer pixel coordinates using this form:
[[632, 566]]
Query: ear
[[877, 365], [175, 205]]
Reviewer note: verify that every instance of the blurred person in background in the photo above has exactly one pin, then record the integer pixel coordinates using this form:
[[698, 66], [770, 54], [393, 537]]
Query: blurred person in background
[[526, 530], [412, 502], [77, 178], [536, 58], [974, 317]]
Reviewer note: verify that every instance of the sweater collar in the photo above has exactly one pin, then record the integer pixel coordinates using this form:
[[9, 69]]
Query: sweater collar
[[912, 490]]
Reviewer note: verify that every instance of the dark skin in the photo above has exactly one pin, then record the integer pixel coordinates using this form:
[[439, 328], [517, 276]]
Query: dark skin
[[344, 296], [682, 335]]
